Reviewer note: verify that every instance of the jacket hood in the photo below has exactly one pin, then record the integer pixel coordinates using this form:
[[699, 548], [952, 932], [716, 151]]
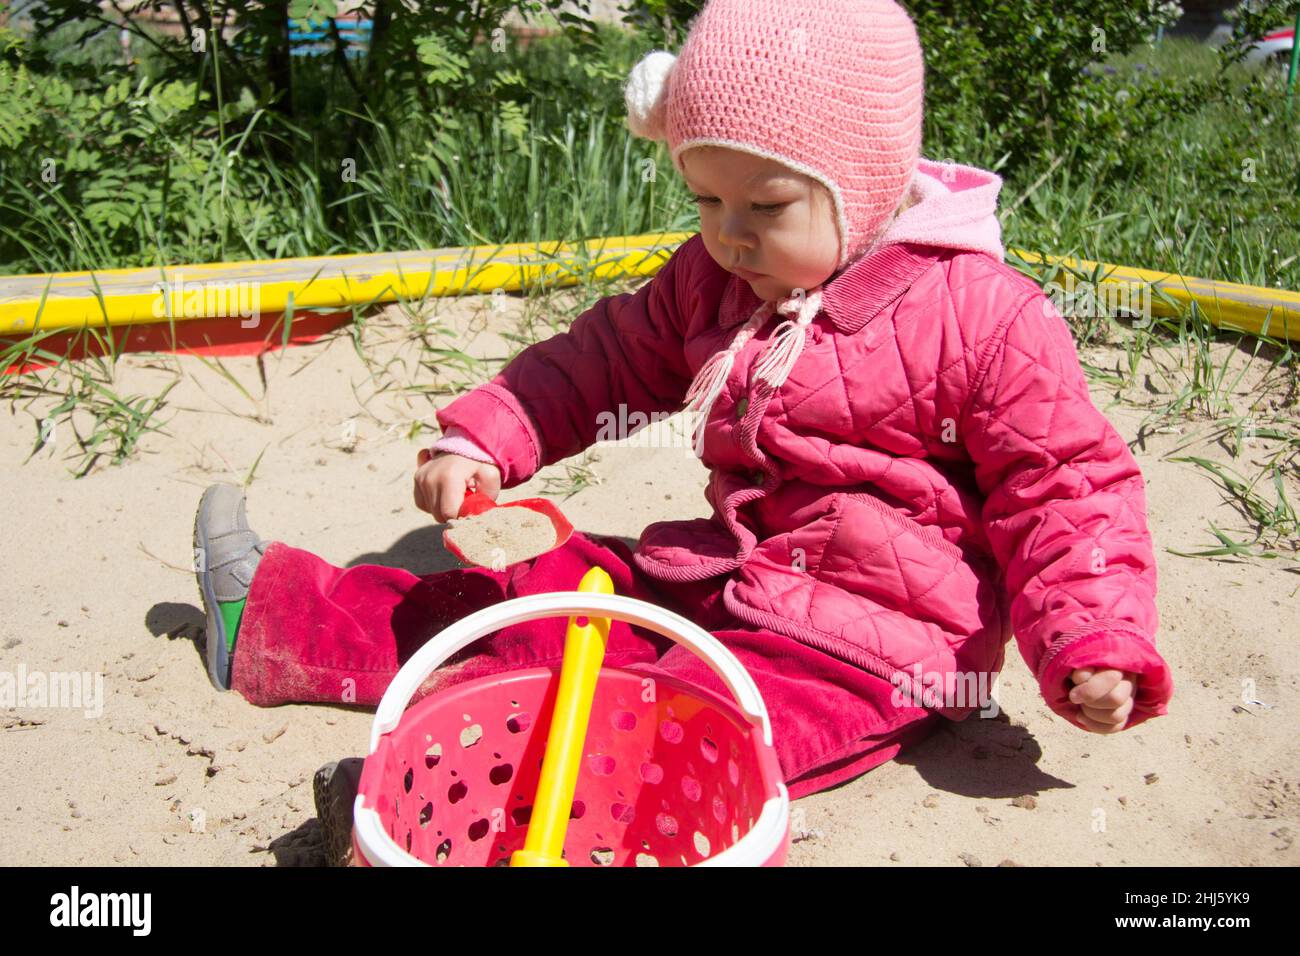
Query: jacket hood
[[953, 206]]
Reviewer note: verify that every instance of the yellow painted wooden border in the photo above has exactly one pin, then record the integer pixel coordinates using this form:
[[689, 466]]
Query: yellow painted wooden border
[[1229, 305], [71, 300]]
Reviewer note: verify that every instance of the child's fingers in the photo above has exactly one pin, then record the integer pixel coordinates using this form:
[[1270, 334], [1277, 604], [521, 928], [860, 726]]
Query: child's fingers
[[1107, 689], [1109, 715], [451, 495], [1099, 727]]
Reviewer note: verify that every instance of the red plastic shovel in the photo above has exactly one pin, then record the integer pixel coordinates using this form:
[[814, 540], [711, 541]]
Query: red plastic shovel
[[476, 503]]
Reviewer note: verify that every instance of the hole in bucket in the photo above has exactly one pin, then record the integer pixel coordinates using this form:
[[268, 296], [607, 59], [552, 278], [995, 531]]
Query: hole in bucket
[[504, 861], [622, 813], [733, 772], [666, 824], [408, 779], [501, 773], [518, 723], [479, 829], [443, 851], [652, 773], [708, 750], [719, 809], [735, 833], [671, 731], [471, 735], [408, 841], [691, 789], [577, 810], [602, 765], [432, 756], [701, 844], [457, 791], [623, 720], [521, 815], [645, 859], [426, 814], [602, 856]]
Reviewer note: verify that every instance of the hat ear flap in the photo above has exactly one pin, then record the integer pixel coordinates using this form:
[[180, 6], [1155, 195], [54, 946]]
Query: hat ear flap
[[645, 93]]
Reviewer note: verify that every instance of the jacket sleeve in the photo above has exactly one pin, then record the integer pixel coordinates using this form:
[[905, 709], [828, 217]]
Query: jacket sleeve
[[555, 397], [1065, 514]]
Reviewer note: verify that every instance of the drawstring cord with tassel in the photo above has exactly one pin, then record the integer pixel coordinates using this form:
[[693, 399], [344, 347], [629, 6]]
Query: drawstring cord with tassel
[[779, 356]]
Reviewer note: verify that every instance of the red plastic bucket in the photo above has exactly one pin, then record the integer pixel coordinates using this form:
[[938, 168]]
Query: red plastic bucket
[[672, 774]]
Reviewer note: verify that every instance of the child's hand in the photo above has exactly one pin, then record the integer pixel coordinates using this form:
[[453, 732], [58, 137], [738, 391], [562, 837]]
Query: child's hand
[[441, 481], [1105, 698]]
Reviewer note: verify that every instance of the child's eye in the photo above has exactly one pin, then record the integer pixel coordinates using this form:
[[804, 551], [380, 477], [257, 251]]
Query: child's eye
[[768, 208]]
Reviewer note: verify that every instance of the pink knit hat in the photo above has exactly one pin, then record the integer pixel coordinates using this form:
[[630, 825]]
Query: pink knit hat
[[831, 88]]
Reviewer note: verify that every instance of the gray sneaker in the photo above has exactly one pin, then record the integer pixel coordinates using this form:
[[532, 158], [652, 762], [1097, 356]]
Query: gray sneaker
[[226, 553]]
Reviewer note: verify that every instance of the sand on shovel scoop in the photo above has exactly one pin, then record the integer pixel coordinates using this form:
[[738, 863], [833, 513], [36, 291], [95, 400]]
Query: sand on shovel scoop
[[500, 537]]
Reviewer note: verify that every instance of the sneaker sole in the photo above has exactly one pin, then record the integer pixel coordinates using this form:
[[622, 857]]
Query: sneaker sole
[[334, 788], [218, 655]]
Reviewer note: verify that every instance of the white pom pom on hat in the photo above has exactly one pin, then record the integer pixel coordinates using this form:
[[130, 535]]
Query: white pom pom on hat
[[644, 95]]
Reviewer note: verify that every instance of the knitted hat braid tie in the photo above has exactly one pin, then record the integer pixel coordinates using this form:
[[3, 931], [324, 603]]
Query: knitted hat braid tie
[[787, 342], [773, 367]]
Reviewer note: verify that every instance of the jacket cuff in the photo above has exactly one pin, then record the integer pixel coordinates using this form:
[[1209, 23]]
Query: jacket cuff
[[492, 418], [456, 442], [1108, 649]]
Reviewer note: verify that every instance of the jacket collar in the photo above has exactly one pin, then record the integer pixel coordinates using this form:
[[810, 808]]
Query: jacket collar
[[850, 298]]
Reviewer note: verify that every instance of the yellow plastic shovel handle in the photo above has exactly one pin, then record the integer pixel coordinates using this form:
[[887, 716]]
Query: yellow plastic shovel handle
[[584, 651]]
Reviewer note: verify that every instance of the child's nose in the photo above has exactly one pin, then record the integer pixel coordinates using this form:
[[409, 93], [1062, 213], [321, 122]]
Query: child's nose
[[732, 232]]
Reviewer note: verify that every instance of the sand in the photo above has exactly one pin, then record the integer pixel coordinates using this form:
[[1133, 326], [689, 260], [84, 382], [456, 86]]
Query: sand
[[500, 537], [97, 579]]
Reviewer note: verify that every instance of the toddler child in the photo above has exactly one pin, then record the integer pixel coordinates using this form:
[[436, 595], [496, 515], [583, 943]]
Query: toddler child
[[906, 468]]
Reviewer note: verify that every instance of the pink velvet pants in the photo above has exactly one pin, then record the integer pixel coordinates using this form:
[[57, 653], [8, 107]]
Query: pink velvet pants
[[312, 632]]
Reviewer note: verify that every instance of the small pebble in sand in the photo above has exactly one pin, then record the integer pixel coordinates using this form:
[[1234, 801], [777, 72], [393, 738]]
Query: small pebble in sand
[[894, 856], [931, 801], [272, 735], [1151, 778], [500, 537], [1025, 802], [970, 859]]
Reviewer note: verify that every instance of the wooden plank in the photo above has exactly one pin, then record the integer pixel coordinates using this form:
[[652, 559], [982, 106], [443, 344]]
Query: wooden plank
[[245, 289]]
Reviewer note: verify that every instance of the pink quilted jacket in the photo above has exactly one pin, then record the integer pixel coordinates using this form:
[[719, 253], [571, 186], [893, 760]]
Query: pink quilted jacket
[[931, 479]]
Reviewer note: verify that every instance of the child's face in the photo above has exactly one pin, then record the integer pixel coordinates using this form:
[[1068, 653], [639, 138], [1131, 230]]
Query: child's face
[[759, 215]]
